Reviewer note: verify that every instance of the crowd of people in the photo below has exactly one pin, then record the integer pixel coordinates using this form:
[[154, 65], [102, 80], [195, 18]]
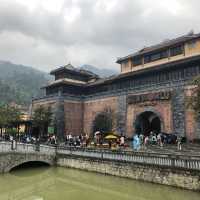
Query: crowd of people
[[29, 139], [98, 140], [139, 141], [77, 141], [161, 139]]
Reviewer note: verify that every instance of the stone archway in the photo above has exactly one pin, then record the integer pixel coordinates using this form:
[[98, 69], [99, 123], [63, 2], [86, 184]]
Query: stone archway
[[13, 159], [29, 164], [146, 122], [103, 122]]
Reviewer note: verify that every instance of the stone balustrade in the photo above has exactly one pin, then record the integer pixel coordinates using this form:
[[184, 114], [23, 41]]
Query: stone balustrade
[[26, 148], [183, 161], [167, 160]]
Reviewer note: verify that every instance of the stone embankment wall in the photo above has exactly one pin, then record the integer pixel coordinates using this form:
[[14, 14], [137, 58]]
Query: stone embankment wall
[[187, 179]]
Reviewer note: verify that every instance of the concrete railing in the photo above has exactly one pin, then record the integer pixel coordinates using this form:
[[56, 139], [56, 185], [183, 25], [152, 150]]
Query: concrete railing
[[165, 160], [26, 148]]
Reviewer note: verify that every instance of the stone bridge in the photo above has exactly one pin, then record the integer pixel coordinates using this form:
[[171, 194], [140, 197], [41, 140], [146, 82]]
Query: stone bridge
[[13, 156], [175, 169]]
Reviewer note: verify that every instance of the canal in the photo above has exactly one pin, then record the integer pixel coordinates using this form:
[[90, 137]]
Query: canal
[[66, 184]]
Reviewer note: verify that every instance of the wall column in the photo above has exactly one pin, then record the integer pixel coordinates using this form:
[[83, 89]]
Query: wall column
[[178, 111], [121, 114], [60, 119]]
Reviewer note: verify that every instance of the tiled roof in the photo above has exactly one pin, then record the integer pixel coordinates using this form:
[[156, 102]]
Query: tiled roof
[[71, 68], [64, 81], [154, 69], [131, 74], [162, 45]]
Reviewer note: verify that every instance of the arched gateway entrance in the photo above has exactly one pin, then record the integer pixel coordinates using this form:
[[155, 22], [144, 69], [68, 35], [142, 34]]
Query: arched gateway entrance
[[146, 122]]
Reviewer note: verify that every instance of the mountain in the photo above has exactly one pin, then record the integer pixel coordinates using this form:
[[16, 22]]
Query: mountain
[[20, 83], [101, 72]]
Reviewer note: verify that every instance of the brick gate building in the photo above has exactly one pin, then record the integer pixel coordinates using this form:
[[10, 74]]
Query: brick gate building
[[149, 93]]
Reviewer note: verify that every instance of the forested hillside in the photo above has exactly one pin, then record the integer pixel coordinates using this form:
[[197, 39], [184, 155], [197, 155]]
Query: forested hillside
[[20, 83], [101, 72]]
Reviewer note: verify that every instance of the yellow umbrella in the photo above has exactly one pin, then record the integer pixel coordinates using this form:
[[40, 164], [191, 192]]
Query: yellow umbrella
[[111, 137]]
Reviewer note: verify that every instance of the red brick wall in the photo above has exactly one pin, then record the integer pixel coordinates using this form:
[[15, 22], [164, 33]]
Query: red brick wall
[[163, 108], [79, 116], [73, 117], [73, 114], [93, 108], [47, 103], [190, 124]]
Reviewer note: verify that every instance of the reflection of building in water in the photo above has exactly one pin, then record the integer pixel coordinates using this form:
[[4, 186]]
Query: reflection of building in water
[[148, 95]]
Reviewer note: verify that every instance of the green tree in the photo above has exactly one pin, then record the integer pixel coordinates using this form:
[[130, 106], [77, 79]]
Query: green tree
[[8, 116], [3, 120], [42, 118], [13, 114]]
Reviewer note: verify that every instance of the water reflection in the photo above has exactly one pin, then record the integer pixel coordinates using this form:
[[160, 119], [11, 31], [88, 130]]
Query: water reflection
[[67, 184]]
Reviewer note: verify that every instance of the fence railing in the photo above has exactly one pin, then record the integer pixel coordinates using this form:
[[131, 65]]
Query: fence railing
[[190, 162], [165, 160], [26, 148]]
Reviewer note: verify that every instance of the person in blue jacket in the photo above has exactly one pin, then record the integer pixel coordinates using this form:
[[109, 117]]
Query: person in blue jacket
[[136, 142]]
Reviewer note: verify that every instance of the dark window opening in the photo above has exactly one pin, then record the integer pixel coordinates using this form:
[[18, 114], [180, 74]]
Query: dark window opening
[[176, 50], [147, 59], [156, 56], [137, 60]]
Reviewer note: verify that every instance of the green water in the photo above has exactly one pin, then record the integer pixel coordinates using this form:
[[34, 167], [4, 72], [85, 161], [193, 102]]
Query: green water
[[67, 184]]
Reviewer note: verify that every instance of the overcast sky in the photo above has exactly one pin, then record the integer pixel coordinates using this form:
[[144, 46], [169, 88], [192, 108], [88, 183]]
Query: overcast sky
[[49, 33]]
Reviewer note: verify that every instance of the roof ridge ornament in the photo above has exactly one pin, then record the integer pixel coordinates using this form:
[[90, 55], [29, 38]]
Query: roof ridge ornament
[[69, 66], [190, 33]]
